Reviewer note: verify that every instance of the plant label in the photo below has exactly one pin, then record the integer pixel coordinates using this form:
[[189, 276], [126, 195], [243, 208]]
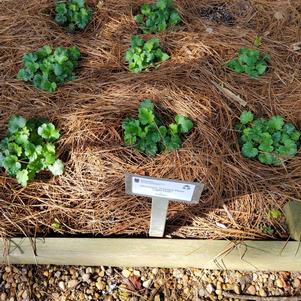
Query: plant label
[[162, 191]]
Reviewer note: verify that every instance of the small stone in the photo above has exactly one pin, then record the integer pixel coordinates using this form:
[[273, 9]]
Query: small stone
[[157, 298], [57, 274], [62, 285], [262, 293], [186, 291], [101, 273], [219, 285], [198, 273], [177, 274], [136, 273], [209, 30], [8, 269], [46, 273], [251, 290], [185, 279], [296, 283], [89, 270], [86, 277], [25, 295], [100, 285], [279, 283], [202, 292], [3, 297], [72, 283], [126, 273], [236, 289], [147, 283], [155, 271], [209, 288], [218, 292]]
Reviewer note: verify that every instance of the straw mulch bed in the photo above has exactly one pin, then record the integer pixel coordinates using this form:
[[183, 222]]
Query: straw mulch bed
[[89, 198]]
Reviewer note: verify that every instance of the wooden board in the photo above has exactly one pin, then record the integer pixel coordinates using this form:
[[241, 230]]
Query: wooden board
[[209, 254]]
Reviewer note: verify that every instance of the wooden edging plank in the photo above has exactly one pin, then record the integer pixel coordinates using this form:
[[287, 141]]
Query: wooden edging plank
[[208, 254]]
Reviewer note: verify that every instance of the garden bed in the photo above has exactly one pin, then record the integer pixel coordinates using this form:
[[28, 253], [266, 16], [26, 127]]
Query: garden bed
[[89, 198]]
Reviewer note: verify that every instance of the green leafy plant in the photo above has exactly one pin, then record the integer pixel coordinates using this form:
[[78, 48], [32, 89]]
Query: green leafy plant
[[271, 141], [56, 225], [269, 230], [29, 148], [249, 61], [72, 14], [157, 17], [144, 54], [149, 135], [46, 68], [274, 213]]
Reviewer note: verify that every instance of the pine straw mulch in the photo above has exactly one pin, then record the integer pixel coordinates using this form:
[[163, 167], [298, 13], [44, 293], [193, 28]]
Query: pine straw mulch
[[89, 198]]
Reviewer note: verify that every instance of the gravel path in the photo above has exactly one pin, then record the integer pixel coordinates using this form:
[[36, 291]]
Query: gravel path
[[59, 283]]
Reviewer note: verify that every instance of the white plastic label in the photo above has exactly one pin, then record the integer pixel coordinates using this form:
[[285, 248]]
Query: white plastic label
[[162, 189]]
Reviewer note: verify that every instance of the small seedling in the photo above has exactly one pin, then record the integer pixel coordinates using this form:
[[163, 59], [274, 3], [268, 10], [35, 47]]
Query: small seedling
[[72, 14], [56, 225], [29, 148], [157, 17], [274, 213], [267, 229], [258, 41], [144, 54], [271, 141], [249, 61], [46, 69], [148, 133]]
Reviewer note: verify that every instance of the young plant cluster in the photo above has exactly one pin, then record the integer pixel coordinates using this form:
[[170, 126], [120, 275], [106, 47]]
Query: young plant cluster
[[157, 17], [271, 141], [144, 54], [72, 14], [28, 149], [249, 61], [46, 69], [148, 133]]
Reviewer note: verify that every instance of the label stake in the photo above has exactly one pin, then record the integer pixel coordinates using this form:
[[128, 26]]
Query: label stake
[[162, 191]]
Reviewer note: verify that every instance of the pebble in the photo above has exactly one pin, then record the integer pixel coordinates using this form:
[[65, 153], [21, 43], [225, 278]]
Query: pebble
[[126, 273], [72, 284], [262, 293], [296, 283], [157, 298], [86, 277], [251, 290], [236, 289], [100, 285], [136, 273], [209, 288], [279, 283], [147, 283], [62, 285], [3, 297]]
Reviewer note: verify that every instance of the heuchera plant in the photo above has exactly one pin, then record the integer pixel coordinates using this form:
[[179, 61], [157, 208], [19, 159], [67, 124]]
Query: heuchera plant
[[46, 69], [148, 133], [271, 141], [157, 17], [249, 61], [144, 54], [72, 14], [29, 148]]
